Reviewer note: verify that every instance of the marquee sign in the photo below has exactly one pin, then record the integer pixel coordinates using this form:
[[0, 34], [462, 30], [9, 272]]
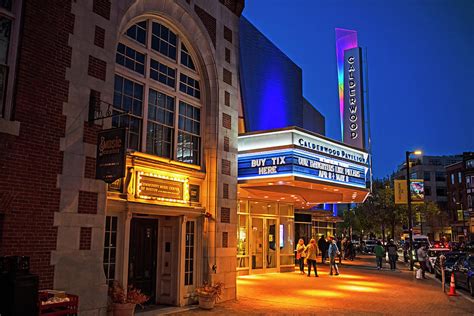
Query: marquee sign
[[294, 162], [152, 186]]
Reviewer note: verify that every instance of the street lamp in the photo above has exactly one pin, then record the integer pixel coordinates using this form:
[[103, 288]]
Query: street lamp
[[410, 216]]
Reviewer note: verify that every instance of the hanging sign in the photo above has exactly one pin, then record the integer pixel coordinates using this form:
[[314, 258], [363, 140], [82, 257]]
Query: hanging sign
[[111, 153]]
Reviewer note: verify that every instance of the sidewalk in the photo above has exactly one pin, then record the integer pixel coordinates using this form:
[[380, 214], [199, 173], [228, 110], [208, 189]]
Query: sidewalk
[[360, 289]]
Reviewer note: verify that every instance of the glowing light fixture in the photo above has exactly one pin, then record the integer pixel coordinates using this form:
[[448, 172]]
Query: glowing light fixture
[[345, 39]]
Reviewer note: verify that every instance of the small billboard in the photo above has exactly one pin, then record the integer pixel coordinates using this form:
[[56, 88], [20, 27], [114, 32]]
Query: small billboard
[[417, 190]]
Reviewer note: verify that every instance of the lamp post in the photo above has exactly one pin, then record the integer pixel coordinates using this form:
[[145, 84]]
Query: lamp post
[[410, 215]]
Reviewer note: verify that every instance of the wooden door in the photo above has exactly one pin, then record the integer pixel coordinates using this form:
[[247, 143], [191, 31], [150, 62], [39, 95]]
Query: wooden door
[[142, 261]]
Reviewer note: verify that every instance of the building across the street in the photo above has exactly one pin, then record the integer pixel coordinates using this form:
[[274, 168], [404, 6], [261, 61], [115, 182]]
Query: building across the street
[[432, 169], [460, 184], [162, 144]]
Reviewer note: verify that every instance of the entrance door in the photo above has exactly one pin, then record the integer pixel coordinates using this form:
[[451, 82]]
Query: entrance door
[[169, 236], [142, 261], [264, 245]]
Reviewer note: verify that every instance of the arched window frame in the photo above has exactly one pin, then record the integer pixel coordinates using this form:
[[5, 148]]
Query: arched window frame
[[148, 83]]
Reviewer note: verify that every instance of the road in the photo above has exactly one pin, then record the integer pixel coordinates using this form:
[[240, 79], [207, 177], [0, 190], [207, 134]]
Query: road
[[360, 289]]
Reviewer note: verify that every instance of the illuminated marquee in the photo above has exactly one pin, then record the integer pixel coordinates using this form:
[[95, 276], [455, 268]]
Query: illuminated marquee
[[299, 163], [161, 187]]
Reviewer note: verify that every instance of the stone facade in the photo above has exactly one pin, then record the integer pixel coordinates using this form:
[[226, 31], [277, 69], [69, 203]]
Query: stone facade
[[52, 209]]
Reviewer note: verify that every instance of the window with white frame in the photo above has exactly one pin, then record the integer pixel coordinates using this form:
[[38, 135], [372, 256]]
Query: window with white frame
[[110, 248], [189, 254], [158, 92], [10, 14]]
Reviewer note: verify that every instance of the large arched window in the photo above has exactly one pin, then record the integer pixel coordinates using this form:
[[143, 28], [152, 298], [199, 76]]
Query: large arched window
[[158, 84]]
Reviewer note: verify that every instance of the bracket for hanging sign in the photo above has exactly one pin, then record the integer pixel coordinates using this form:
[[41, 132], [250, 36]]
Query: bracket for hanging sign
[[95, 108]]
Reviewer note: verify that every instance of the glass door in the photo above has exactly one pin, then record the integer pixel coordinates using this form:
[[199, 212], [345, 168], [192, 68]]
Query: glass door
[[257, 243], [264, 245]]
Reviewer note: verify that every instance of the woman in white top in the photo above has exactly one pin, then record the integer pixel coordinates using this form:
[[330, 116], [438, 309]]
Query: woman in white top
[[300, 254]]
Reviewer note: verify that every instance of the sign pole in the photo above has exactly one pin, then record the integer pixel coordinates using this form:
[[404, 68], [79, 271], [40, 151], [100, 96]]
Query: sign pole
[[410, 219]]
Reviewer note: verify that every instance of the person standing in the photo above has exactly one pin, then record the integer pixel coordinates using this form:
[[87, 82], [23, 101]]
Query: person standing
[[322, 248], [343, 248], [392, 254], [379, 254], [333, 252], [300, 254], [422, 258], [339, 246], [311, 252]]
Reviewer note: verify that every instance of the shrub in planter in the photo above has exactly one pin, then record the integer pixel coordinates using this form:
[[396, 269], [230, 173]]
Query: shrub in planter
[[209, 294], [123, 303]]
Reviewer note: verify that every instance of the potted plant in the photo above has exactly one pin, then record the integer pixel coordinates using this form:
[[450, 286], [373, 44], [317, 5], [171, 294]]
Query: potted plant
[[123, 303], [209, 294]]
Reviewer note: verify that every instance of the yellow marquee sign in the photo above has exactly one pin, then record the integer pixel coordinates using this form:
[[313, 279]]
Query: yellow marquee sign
[[162, 187]]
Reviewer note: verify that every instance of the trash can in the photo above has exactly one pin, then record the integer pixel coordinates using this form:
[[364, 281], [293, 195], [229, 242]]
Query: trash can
[[18, 288]]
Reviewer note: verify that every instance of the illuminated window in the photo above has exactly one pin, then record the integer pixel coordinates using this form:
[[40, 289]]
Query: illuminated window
[[452, 178], [459, 177], [147, 75], [189, 131]]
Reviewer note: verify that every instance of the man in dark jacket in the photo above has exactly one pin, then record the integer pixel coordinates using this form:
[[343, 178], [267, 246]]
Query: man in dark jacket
[[322, 246], [392, 254]]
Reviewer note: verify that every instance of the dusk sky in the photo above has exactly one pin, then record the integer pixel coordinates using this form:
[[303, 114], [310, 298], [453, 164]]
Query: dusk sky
[[420, 61]]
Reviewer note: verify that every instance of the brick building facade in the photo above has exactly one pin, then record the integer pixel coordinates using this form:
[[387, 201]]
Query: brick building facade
[[52, 208]]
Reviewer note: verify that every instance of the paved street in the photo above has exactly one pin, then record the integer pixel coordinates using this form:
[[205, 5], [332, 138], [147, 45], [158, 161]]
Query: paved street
[[360, 289]]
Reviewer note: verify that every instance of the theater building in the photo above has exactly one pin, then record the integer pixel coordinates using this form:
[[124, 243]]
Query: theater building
[[290, 176]]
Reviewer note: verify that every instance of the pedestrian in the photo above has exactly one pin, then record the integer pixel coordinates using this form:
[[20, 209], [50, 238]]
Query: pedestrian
[[343, 248], [392, 254], [422, 258], [333, 251], [351, 250], [322, 248], [300, 254], [379, 254], [339, 245], [311, 252]]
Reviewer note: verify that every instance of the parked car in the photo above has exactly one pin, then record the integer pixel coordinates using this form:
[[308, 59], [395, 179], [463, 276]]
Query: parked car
[[463, 271], [451, 258], [369, 245]]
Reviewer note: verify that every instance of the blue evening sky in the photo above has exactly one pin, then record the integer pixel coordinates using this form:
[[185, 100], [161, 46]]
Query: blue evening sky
[[420, 61]]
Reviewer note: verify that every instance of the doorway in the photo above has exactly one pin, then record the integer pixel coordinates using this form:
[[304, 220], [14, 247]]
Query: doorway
[[142, 256], [264, 246]]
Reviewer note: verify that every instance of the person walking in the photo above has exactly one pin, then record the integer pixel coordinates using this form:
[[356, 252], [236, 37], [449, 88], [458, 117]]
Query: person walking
[[300, 254], [322, 248], [379, 254], [422, 258], [311, 251], [333, 252], [351, 250], [339, 246], [392, 254], [343, 248]]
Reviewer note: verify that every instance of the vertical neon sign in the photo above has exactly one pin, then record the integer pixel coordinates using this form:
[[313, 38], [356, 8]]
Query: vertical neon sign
[[345, 39]]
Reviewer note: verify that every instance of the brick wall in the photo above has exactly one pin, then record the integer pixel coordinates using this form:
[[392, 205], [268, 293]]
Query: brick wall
[[87, 202], [31, 161]]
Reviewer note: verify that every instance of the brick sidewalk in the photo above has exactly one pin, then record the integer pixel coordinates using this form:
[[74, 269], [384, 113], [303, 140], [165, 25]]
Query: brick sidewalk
[[359, 290]]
